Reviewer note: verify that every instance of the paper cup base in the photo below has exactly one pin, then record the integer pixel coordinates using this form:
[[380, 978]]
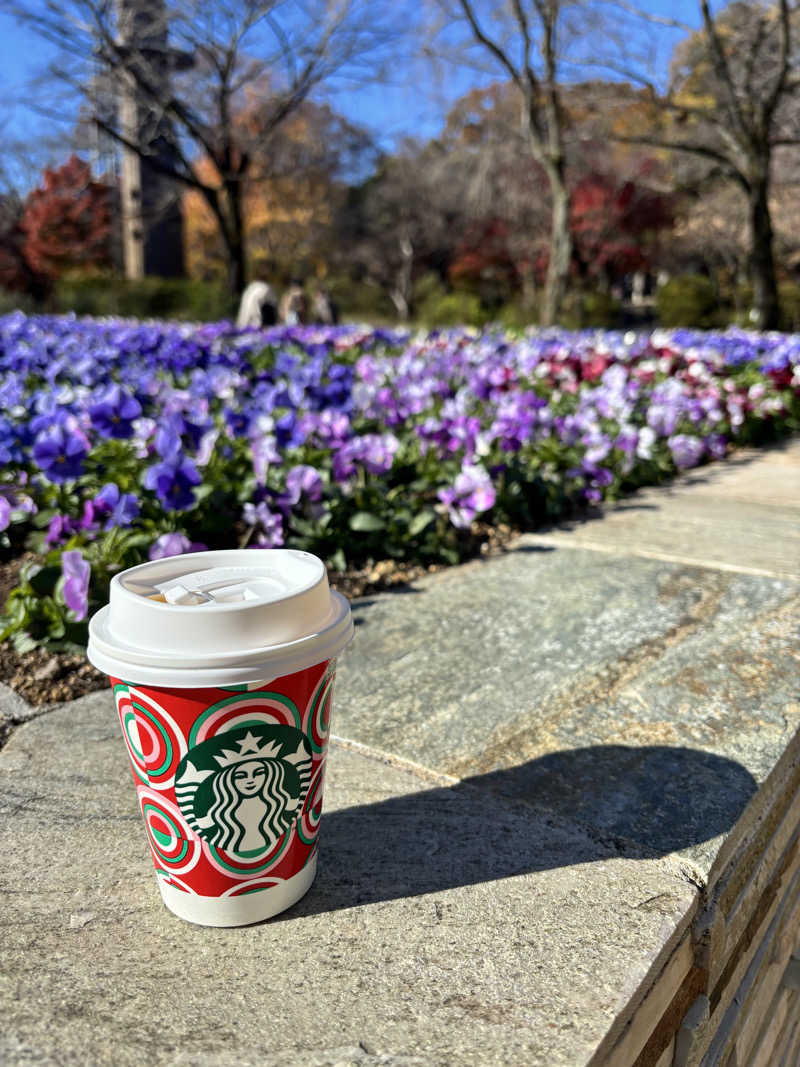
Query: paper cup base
[[252, 907]]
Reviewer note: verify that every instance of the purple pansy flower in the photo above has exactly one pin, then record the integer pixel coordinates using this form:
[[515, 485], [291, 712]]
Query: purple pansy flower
[[11, 500], [122, 509], [172, 483], [264, 452], [471, 493], [687, 451], [174, 544], [76, 571], [374, 451], [59, 453], [60, 528], [303, 480], [267, 525], [717, 445], [114, 411], [168, 443]]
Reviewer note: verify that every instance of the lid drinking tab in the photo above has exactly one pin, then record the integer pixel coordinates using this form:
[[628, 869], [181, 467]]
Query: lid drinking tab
[[225, 585]]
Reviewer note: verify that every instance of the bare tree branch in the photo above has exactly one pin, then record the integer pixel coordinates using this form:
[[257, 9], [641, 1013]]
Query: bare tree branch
[[243, 50], [721, 68], [784, 46], [491, 45]]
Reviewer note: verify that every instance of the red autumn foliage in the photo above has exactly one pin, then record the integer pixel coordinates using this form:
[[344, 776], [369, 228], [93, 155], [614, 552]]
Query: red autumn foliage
[[613, 224], [482, 252], [67, 222], [15, 274], [611, 221]]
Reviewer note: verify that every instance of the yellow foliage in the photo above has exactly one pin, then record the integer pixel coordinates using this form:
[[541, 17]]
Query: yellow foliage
[[282, 213]]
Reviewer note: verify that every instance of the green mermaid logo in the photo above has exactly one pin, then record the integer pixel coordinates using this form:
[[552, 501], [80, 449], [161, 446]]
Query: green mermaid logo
[[241, 790]]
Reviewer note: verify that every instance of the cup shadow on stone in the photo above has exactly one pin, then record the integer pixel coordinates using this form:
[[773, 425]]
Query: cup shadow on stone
[[557, 811]]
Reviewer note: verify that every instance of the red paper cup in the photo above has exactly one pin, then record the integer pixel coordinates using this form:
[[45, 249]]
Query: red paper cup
[[229, 777]]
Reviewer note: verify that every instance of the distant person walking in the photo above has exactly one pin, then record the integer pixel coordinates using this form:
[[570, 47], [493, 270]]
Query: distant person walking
[[258, 306], [293, 306], [323, 309]]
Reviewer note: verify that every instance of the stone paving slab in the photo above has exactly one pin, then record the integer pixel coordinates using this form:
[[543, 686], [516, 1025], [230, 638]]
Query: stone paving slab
[[644, 698], [744, 513], [435, 672], [447, 925], [13, 710]]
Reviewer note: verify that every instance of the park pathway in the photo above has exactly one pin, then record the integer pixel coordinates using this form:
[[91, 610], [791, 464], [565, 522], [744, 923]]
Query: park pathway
[[561, 824]]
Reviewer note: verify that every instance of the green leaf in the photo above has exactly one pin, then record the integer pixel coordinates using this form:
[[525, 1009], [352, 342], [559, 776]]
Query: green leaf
[[42, 518], [203, 491], [28, 571], [337, 561], [303, 526], [421, 521], [138, 540], [23, 642], [366, 522], [17, 607]]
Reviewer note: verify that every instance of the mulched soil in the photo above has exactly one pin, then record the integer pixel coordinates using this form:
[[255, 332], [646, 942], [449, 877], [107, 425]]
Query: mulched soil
[[44, 677]]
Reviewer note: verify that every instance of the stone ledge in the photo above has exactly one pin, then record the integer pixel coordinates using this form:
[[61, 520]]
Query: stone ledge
[[615, 880], [446, 924]]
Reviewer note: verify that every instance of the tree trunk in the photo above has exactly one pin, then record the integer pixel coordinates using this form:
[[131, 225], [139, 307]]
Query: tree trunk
[[227, 210], [400, 304], [761, 261], [235, 240], [560, 246], [237, 270], [527, 277], [401, 293]]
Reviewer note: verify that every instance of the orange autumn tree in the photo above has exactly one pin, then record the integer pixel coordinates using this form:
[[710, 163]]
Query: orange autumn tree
[[66, 223], [289, 198]]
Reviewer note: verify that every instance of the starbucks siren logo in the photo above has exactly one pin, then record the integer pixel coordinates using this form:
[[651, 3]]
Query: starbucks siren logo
[[241, 790]]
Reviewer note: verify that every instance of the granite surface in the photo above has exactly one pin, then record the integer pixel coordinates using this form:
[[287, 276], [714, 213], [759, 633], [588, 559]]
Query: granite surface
[[560, 795], [446, 925], [743, 514], [646, 699]]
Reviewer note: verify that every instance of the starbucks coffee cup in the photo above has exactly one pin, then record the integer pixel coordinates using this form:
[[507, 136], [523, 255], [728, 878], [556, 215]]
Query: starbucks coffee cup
[[222, 667]]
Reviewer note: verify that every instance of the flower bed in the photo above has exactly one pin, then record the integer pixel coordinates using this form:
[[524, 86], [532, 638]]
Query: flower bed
[[123, 441]]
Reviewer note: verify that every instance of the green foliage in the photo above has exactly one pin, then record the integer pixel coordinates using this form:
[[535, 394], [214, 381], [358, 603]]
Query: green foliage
[[595, 309], [10, 301], [601, 309], [789, 297], [452, 309], [147, 298], [689, 300], [36, 612], [359, 301], [515, 316], [428, 287]]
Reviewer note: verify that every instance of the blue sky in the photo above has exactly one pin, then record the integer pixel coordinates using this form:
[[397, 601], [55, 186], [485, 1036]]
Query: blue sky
[[390, 110]]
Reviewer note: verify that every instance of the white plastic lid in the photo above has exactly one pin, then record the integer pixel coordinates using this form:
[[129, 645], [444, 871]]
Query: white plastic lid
[[219, 618]]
